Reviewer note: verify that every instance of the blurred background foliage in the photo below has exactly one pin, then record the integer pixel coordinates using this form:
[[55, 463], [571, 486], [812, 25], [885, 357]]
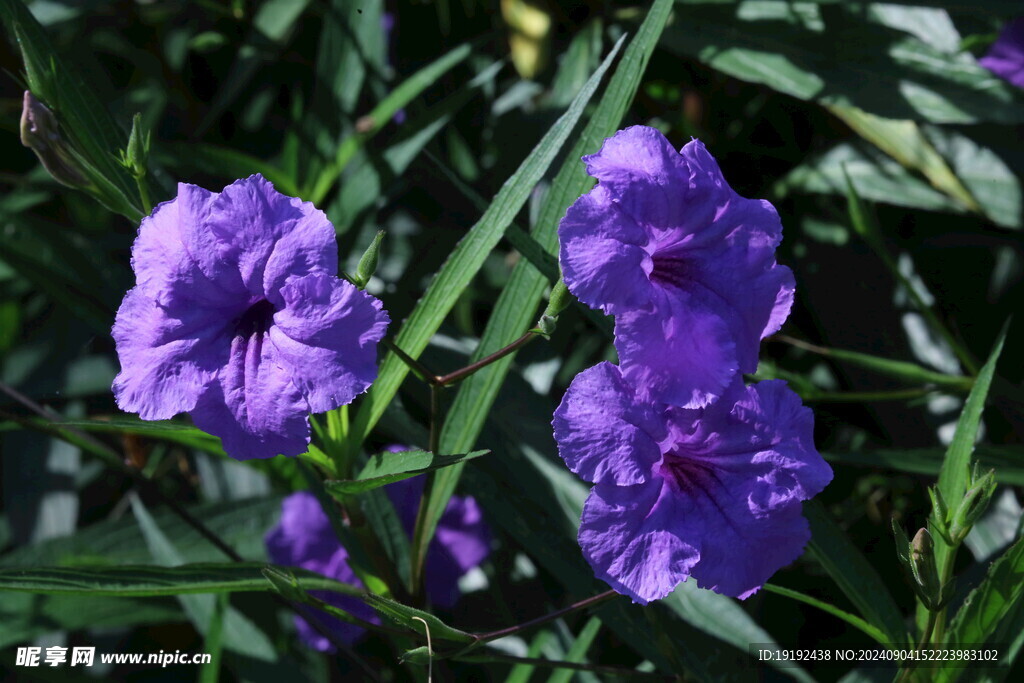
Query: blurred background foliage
[[408, 117]]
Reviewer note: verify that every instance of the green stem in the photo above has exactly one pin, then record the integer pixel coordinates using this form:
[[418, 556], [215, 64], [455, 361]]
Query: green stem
[[147, 204], [851, 619]]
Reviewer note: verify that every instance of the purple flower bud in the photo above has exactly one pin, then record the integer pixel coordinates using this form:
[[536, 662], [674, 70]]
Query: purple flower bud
[[41, 133]]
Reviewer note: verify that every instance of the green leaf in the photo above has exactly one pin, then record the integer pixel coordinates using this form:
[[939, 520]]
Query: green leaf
[[214, 643], [955, 469], [166, 430], [386, 468], [853, 573], [1001, 592], [828, 56], [1008, 461], [876, 177], [240, 634], [371, 124], [465, 261], [24, 616], [905, 142], [227, 163], [371, 172], [409, 617], [240, 523], [147, 580], [389, 530], [578, 652]]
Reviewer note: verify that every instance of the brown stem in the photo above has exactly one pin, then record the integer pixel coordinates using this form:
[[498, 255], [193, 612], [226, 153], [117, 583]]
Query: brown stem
[[453, 377], [557, 614]]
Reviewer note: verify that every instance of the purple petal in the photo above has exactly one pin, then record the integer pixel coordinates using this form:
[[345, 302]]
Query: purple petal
[[1006, 56], [602, 255], [630, 536], [682, 352], [603, 435], [644, 174], [254, 408], [165, 362], [336, 568], [270, 237], [303, 534], [326, 339]]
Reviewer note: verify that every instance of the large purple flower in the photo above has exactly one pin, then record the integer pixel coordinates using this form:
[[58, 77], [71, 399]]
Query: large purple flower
[[1006, 56], [713, 493], [686, 266], [239, 319], [304, 538]]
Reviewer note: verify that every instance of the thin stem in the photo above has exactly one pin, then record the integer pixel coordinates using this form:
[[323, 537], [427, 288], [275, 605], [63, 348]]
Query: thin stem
[[851, 619], [552, 616], [458, 375], [147, 204], [417, 368], [926, 637], [435, 419]]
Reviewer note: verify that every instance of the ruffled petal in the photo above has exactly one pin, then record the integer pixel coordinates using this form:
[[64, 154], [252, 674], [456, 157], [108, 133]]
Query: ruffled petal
[[166, 362], [269, 237], [644, 174], [630, 536], [254, 407], [603, 433], [602, 254], [682, 352], [326, 339]]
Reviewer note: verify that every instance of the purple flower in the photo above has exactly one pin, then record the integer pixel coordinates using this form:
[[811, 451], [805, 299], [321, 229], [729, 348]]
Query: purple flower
[[1006, 56], [686, 266], [304, 538], [238, 318], [713, 493]]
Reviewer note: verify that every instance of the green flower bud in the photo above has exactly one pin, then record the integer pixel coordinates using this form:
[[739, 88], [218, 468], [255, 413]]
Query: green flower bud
[[559, 299], [368, 262], [41, 134], [135, 156], [973, 506]]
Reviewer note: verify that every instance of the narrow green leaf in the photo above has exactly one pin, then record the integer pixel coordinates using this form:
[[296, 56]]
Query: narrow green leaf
[[147, 580], [371, 124], [227, 163], [213, 645], [956, 466], [853, 573], [855, 621], [465, 261], [578, 652], [1008, 461], [409, 617], [388, 528], [1001, 592], [386, 468], [240, 634], [904, 142]]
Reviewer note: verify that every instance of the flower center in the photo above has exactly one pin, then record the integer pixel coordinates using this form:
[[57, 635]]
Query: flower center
[[668, 269], [256, 320], [686, 472]]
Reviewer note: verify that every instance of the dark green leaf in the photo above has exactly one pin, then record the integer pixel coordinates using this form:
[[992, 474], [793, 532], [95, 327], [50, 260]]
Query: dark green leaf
[[386, 468]]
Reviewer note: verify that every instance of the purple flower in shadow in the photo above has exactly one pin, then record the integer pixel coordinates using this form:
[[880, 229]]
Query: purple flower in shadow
[[239, 319], [713, 493], [686, 266], [1006, 56], [304, 538]]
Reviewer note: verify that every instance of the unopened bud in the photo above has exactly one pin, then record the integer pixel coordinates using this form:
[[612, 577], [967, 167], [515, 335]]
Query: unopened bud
[[368, 262], [973, 505], [917, 558], [41, 134], [135, 156], [940, 514]]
